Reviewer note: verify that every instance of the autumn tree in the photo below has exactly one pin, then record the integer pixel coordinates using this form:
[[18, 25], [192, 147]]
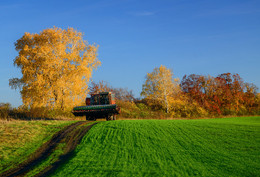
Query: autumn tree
[[194, 85], [251, 98], [101, 86], [122, 94], [225, 94], [56, 66], [159, 86]]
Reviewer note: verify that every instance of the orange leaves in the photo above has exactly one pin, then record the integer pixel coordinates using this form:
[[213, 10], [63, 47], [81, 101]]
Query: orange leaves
[[56, 65], [224, 94]]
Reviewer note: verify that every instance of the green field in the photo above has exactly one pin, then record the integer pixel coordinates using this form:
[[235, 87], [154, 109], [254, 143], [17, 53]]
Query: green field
[[202, 147]]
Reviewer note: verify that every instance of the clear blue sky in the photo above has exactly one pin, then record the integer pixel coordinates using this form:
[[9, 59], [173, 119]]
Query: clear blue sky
[[135, 36]]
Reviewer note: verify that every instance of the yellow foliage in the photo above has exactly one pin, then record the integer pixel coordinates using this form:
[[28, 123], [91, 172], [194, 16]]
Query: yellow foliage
[[160, 86], [180, 106], [56, 65]]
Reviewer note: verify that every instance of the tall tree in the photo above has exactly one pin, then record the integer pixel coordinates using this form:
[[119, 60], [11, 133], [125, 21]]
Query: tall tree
[[195, 86], [159, 86], [56, 65]]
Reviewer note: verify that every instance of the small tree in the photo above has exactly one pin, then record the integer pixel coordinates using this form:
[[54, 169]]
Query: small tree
[[159, 86], [5, 109]]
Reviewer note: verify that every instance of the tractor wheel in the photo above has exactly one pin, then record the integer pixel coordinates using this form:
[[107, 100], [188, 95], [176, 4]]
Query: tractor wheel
[[109, 117], [91, 118], [114, 117]]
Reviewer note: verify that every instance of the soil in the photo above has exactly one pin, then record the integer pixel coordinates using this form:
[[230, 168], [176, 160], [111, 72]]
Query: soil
[[71, 135]]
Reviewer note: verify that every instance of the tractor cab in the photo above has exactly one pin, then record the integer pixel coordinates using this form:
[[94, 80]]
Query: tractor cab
[[101, 98]]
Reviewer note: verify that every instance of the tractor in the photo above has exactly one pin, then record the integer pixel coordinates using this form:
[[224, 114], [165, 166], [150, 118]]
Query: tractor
[[98, 105]]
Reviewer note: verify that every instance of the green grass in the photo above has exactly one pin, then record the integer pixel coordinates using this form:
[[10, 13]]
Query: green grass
[[21, 138], [202, 147], [59, 150]]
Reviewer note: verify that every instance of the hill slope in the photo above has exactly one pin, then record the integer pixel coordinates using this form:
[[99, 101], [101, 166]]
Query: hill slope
[[213, 147], [19, 139]]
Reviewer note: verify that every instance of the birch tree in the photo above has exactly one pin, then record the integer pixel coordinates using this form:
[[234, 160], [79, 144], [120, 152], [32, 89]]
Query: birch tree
[[56, 66], [159, 86]]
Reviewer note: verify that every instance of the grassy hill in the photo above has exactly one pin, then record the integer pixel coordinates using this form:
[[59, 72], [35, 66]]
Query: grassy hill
[[203, 147], [21, 138]]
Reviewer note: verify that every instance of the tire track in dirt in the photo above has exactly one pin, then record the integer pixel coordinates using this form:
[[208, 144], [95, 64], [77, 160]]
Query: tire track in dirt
[[71, 135]]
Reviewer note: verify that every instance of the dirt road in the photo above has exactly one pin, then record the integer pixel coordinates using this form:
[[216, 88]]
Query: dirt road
[[70, 135]]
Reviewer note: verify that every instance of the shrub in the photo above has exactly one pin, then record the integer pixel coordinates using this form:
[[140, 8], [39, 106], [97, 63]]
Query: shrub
[[5, 109]]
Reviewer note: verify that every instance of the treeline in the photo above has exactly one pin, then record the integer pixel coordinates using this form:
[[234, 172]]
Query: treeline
[[199, 95], [166, 97], [226, 94], [194, 96]]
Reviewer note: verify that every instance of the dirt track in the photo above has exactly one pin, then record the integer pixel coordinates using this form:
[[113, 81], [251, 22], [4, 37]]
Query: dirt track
[[71, 135]]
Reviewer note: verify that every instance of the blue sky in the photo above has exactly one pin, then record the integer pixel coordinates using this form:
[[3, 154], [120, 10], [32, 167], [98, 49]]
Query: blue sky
[[206, 37]]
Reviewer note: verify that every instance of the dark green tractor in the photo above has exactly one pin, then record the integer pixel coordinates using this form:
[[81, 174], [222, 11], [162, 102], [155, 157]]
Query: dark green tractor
[[100, 105]]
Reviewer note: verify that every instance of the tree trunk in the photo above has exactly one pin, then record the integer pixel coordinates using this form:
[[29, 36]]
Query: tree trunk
[[166, 101]]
